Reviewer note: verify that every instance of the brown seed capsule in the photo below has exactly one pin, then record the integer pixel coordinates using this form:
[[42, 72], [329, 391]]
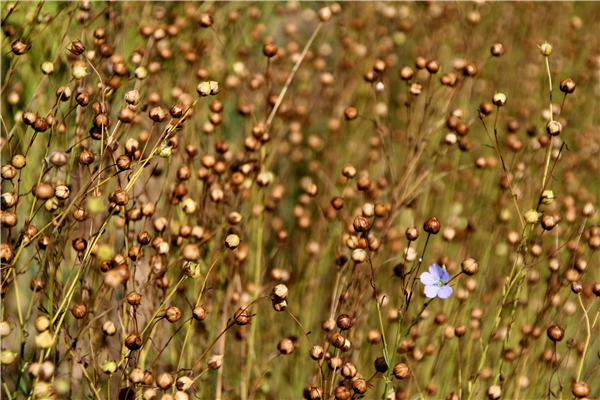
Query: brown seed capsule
[[206, 20], [555, 333], [567, 86], [157, 114], [270, 49], [596, 289], [497, 49], [134, 298], [486, 108], [285, 346], [337, 340], [316, 352], [554, 128], [460, 331], [469, 69], [165, 381], [412, 234], [350, 113], [406, 73], [43, 191], [361, 224], [106, 50], [469, 266], [199, 313], [40, 125], [581, 389], [380, 210], [86, 157], [449, 79], [494, 392], [19, 48], [401, 371], [133, 342], [328, 324], [173, 314], [371, 76], [432, 226], [79, 311], [342, 393], [82, 98], [242, 316], [360, 386], [363, 184], [215, 361], [344, 322], [380, 365], [432, 66], [119, 197], [280, 291]]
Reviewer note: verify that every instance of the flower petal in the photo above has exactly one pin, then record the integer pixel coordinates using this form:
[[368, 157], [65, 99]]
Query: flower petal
[[444, 292], [431, 291], [444, 275], [428, 279], [435, 269]]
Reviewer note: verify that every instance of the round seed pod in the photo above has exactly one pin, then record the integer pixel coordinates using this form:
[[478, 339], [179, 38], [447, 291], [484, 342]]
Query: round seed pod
[[19, 48], [337, 341], [554, 128], [285, 346], [406, 73], [432, 226], [86, 157], [109, 328], [173, 314], [316, 353], [494, 392], [432, 66], [344, 322], [360, 386], [361, 224], [350, 113], [215, 361], [206, 20], [242, 316], [328, 325], [270, 50], [134, 298], [469, 266], [555, 333], [380, 365], [497, 49], [567, 86], [43, 191], [581, 389], [401, 371], [342, 393], [499, 99], [165, 381], [133, 342], [79, 310], [199, 313]]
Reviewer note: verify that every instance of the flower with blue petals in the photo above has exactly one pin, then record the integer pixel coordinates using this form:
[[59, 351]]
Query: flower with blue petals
[[435, 282]]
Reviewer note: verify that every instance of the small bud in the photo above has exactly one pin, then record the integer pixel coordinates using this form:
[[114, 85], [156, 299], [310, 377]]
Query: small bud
[[7, 357], [44, 340], [47, 68], [532, 216], [545, 49], [499, 99], [165, 151], [548, 197], [79, 69]]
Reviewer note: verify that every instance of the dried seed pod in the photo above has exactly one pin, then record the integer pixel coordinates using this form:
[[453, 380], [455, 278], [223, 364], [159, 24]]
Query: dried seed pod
[[497, 49], [499, 99], [199, 313], [242, 316], [567, 86], [554, 128], [285, 346], [469, 266], [79, 310], [215, 361], [401, 371], [432, 226], [350, 113], [555, 333], [173, 314], [133, 342], [494, 392], [316, 353], [344, 322], [165, 380], [406, 73]]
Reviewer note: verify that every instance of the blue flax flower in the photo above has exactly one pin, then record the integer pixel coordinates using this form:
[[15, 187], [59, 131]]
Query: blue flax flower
[[435, 282]]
